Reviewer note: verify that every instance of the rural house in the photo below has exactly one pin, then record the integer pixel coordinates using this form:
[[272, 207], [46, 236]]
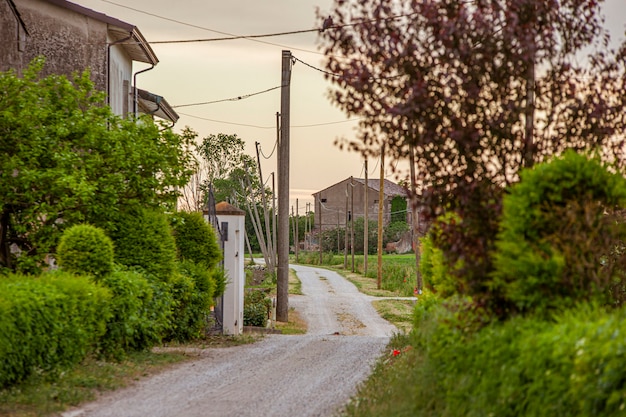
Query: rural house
[[336, 204], [73, 38]]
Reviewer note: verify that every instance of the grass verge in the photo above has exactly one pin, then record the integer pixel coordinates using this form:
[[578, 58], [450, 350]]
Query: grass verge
[[44, 395]]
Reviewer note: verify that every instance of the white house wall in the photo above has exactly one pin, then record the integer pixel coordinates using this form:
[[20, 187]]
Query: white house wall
[[120, 81]]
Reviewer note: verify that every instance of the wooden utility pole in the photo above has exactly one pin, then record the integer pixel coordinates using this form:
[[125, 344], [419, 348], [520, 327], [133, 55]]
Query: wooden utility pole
[[345, 237], [297, 239], [415, 220], [319, 233], [352, 220], [381, 200], [282, 281], [366, 219]]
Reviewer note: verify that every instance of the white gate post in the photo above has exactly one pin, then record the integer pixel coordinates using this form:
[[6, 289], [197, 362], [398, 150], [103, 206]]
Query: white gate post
[[232, 225]]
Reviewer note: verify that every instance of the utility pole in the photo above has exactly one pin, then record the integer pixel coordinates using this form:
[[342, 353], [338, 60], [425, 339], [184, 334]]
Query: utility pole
[[381, 197], [366, 219], [352, 220], [297, 240], [345, 237], [282, 281], [319, 234], [415, 221]]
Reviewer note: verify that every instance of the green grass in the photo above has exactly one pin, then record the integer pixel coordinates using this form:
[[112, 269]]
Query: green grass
[[43, 395], [398, 312]]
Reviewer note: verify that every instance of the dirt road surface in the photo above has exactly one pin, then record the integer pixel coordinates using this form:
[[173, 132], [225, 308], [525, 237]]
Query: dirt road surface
[[281, 375]]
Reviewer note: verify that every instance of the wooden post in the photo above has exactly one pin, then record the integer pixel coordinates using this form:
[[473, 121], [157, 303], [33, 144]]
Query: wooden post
[[282, 281], [381, 201], [365, 222]]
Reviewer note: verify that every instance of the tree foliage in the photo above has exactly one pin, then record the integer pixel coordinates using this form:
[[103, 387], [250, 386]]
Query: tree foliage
[[67, 159], [227, 168], [476, 90]]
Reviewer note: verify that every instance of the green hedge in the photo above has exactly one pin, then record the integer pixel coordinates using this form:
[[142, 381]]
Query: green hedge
[[143, 239], [141, 313], [48, 323], [192, 290], [196, 240]]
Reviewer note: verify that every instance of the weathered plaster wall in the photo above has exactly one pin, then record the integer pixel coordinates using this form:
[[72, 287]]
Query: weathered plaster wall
[[12, 39], [70, 41]]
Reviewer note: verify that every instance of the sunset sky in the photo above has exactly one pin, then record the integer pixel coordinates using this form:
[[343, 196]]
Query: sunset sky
[[212, 71]]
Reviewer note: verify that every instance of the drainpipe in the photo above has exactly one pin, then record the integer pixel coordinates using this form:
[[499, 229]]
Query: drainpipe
[[109, 45], [136, 99]]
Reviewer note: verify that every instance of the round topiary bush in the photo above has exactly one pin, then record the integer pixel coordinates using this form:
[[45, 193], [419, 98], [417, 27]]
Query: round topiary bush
[[561, 237], [85, 249]]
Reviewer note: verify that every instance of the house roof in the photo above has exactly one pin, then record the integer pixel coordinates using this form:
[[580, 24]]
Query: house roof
[[390, 188], [153, 104], [128, 35]]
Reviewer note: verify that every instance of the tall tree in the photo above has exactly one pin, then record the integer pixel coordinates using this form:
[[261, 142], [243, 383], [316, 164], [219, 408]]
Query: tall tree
[[67, 159], [234, 177], [479, 89]]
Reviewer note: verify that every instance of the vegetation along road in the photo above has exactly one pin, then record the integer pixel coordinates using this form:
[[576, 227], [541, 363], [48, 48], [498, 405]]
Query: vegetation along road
[[281, 375]]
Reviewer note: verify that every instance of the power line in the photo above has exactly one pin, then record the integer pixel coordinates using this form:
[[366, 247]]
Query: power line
[[255, 38], [242, 97], [332, 74], [230, 35], [272, 153], [227, 123], [266, 127]]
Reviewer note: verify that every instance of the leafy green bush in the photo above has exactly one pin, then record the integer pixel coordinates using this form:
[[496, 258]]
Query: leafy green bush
[[143, 238], [527, 366], [48, 323], [434, 270], [192, 290], [561, 237], [220, 279], [141, 310], [256, 307], [85, 249], [195, 239]]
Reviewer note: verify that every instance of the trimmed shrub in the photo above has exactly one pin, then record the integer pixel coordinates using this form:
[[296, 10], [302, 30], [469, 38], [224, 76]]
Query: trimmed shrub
[[143, 238], [48, 323], [141, 310], [195, 239], [85, 249], [192, 291], [561, 237]]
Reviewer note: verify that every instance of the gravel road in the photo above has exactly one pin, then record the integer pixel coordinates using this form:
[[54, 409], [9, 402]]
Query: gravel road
[[281, 375]]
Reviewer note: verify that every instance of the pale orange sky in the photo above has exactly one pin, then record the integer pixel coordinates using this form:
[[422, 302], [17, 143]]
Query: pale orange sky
[[200, 72]]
